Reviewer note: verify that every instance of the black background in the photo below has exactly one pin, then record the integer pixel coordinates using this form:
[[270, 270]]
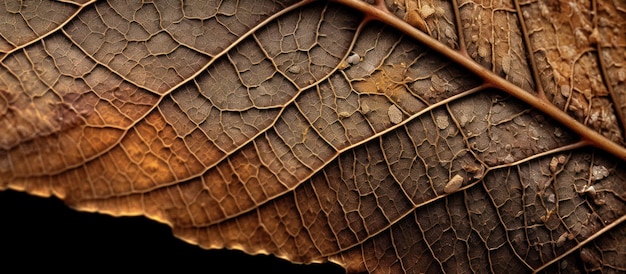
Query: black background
[[45, 233]]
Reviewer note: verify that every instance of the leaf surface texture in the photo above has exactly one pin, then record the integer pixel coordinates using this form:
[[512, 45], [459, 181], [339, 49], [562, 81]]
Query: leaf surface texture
[[331, 131]]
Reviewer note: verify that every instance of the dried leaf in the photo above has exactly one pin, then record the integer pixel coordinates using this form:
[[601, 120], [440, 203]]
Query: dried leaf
[[327, 131]]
